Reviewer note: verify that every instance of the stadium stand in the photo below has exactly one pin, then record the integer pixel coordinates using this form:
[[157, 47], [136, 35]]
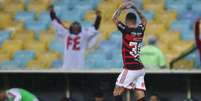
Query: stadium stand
[[25, 32]]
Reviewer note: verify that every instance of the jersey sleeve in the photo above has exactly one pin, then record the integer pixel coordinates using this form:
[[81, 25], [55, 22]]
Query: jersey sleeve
[[14, 94], [121, 27], [91, 36], [91, 31], [141, 27], [60, 30]]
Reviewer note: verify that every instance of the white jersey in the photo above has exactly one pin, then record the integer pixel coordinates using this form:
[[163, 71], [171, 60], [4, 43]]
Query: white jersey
[[75, 45]]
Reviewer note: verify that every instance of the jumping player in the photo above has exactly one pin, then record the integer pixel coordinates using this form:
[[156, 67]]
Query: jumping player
[[132, 76], [17, 94], [76, 39]]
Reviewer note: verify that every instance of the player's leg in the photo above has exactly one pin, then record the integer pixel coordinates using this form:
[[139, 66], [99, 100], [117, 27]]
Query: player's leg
[[140, 95], [125, 81], [118, 91], [140, 88], [119, 88]]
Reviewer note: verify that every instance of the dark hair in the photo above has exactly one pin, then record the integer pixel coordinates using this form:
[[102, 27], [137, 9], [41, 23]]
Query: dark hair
[[131, 16], [74, 24]]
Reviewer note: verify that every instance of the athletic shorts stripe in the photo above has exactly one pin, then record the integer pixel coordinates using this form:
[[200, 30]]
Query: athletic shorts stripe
[[123, 77]]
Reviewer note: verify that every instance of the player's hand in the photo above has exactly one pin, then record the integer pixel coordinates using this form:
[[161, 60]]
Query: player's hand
[[123, 6], [98, 12], [51, 8]]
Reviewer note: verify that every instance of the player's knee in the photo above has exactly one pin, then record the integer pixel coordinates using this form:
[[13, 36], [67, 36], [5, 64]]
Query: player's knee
[[118, 91], [121, 91], [139, 94], [115, 92]]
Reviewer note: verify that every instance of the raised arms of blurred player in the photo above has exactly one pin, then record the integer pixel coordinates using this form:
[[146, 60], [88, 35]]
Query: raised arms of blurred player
[[76, 39], [96, 23], [53, 15], [97, 20], [92, 32], [62, 31]]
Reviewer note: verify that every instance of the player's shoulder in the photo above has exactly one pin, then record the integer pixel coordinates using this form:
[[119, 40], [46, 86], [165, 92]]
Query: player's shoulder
[[121, 24], [89, 30], [141, 26], [64, 32]]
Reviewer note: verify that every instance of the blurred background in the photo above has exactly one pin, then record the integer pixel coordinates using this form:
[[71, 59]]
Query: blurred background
[[28, 47]]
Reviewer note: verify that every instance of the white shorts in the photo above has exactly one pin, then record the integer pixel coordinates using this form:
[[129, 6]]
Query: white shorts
[[131, 79]]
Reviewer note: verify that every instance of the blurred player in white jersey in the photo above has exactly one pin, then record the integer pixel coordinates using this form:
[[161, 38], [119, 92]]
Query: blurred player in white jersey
[[76, 39]]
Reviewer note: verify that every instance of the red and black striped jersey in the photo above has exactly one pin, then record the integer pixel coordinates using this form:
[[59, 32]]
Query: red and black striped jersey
[[131, 44]]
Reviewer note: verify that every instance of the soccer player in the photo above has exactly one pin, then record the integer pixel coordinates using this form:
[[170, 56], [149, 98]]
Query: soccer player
[[132, 76], [17, 94], [76, 39]]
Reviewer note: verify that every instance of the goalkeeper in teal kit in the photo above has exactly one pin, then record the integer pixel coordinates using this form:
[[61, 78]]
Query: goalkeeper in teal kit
[[17, 94]]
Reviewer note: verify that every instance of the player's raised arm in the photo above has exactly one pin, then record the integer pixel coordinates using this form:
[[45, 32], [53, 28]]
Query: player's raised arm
[[121, 26], [53, 14], [54, 17], [61, 30], [98, 20], [142, 17], [117, 13]]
